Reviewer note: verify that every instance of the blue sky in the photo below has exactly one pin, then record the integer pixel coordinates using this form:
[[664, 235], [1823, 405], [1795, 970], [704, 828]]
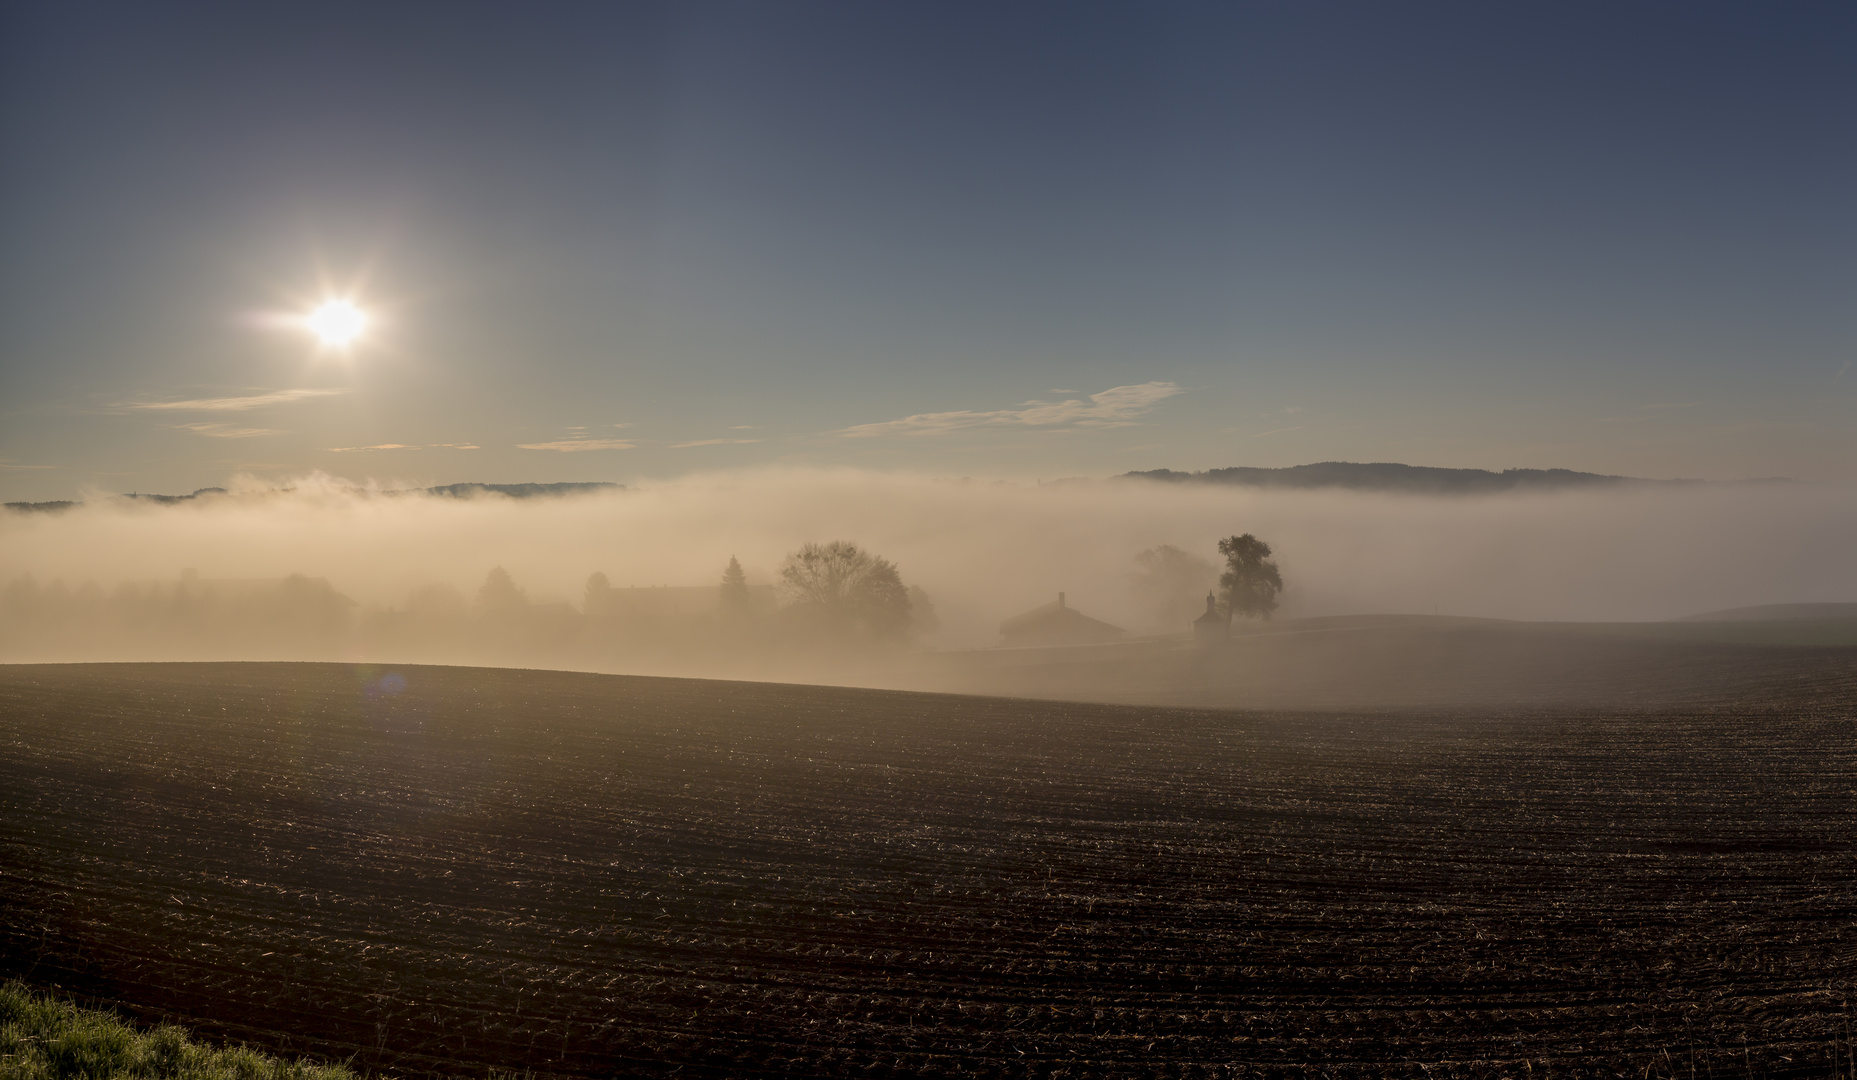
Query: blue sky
[[621, 242]]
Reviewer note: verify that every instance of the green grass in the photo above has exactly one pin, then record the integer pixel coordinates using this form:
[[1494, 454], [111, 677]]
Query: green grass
[[42, 1038]]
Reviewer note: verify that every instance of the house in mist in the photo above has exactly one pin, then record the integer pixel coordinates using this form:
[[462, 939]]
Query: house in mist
[[1056, 624], [1214, 626]]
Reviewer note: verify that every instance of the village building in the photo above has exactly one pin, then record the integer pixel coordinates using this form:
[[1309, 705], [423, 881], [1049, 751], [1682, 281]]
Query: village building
[[1214, 626], [1056, 624]]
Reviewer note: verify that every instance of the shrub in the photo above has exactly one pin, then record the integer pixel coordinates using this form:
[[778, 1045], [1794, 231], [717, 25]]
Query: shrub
[[43, 1038]]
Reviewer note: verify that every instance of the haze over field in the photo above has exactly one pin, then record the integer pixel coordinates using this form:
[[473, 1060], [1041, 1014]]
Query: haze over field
[[983, 551]]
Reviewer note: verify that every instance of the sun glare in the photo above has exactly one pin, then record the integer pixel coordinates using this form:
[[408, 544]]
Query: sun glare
[[337, 323]]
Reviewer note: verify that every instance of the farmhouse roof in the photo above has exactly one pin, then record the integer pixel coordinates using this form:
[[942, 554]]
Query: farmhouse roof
[[1056, 624]]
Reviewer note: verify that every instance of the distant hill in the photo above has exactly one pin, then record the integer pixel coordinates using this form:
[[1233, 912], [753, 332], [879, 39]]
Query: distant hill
[[42, 507], [522, 491], [164, 499], [1776, 613], [455, 491], [1390, 476]]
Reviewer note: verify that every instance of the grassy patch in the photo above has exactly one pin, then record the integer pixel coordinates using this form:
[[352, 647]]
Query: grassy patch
[[42, 1038]]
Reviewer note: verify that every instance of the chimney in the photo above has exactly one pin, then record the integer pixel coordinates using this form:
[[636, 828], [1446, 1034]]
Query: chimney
[[1060, 599]]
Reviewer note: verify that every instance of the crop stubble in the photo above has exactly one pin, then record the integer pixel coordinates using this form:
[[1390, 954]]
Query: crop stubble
[[601, 875]]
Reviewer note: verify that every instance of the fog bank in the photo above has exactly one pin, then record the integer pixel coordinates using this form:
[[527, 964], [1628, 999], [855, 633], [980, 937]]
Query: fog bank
[[981, 551]]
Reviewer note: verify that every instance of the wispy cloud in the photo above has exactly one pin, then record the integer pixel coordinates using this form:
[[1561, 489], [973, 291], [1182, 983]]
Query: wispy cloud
[[1115, 407], [226, 431], [405, 446], [711, 442], [579, 445], [11, 465], [234, 404], [1275, 431]]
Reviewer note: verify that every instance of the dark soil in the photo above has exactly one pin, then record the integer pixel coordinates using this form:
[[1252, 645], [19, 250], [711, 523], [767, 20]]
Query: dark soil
[[1416, 662], [598, 875]]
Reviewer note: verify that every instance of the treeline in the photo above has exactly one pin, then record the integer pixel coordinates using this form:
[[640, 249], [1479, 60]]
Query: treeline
[[830, 603], [174, 619], [830, 600]]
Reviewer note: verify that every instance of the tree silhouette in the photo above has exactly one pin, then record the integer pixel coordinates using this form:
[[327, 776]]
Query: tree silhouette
[[922, 617], [597, 598], [499, 593], [1171, 584], [1250, 583], [734, 587], [847, 586]]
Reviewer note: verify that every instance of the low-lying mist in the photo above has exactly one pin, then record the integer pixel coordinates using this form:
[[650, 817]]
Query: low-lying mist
[[400, 577]]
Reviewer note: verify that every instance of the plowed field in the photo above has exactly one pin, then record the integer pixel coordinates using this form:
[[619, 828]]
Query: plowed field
[[446, 870]]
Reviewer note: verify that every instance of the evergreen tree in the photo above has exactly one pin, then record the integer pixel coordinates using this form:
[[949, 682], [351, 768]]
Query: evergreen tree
[[499, 593], [734, 587]]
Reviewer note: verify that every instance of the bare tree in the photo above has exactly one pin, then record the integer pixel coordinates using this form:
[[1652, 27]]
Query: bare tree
[[1170, 584], [1250, 583], [848, 586]]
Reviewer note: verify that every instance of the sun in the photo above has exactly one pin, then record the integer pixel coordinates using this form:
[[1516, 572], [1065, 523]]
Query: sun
[[337, 324]]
